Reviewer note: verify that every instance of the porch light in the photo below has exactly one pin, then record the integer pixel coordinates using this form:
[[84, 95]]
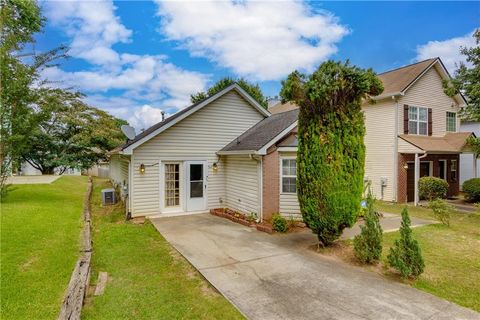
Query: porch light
[[142, 168], [215, 167], [405, 166]]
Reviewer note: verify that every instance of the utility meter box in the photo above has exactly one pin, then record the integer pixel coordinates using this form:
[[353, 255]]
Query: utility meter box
[[108, 197]]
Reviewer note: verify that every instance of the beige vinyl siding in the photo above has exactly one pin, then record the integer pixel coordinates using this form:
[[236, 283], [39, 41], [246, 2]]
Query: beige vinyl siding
[[380, 145], [118, 170], [428, 92], [197, 137], [242, 184]]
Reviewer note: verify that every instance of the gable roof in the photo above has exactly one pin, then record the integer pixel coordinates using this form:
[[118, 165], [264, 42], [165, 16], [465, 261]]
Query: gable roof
[[261, 135], [451, 142], [395, 82], [182, 114], [398, 80]]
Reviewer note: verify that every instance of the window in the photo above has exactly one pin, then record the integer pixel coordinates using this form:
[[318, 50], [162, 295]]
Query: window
[[451, 121], [453, 170], [417, 120], [289, 175], [172, 184]]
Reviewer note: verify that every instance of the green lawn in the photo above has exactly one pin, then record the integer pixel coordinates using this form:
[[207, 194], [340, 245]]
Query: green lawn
[[452, 255], [40, 239], [147, 278]]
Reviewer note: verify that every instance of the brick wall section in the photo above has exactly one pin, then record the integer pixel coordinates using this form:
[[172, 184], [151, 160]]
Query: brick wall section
[[271, 184], [454, 185], [402, 179]]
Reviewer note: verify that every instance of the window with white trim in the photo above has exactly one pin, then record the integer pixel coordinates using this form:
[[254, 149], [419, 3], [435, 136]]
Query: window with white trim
[[417, 120], [451, 121], [453, 170], [289, 175]]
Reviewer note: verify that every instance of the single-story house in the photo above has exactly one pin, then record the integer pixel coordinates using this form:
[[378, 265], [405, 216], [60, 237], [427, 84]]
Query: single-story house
[[228, 151]]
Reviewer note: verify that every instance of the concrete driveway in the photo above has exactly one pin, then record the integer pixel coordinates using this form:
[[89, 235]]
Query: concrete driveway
[[277, 277]]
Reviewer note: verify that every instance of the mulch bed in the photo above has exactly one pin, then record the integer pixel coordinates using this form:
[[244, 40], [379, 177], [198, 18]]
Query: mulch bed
[[241, 219]]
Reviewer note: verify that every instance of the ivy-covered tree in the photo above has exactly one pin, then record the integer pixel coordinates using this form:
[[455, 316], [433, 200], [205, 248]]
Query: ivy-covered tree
[[331, 152], [466, 80], [251, 88]]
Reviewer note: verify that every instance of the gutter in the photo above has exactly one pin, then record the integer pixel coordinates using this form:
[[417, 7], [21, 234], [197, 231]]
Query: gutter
[[395, 151]]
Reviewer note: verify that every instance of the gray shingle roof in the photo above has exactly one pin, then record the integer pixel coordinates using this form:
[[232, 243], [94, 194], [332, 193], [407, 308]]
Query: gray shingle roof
[[263, 132]]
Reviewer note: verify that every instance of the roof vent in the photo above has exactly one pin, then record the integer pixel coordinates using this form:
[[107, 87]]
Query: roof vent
[[163, 115]]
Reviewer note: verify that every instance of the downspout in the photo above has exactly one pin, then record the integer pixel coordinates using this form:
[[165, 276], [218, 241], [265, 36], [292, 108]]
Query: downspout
[[130, 187], [260, 187]]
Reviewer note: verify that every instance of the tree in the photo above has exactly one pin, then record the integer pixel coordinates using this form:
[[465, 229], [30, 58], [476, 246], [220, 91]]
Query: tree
[[331, 152], [19, 21], [368, 244], [467, 80], [252, 89], [405, 255], [69, 133]]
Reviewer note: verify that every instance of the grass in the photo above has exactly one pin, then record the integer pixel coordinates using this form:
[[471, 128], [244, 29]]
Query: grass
[[148, 279], [452, 255], [40, 233]]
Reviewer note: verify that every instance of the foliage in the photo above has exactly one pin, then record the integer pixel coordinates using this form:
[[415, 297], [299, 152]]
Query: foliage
[[368, 244], [331, 151], [431, 188], [279, 223], [19, 21], [442, 211], [69, 133], [405, 254], [251, 88], [471, 188], [467, 80], [474, 144], [45, 126]]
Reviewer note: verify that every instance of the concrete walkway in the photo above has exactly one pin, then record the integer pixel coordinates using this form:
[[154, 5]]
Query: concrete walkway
[[278, 277], [389, 222], [43, 179]]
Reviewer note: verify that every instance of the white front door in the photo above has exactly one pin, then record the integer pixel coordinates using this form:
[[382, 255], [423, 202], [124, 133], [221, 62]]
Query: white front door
[[196, 185]]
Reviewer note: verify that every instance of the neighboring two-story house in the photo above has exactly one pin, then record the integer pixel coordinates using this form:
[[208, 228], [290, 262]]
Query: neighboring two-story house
[[227, 151]]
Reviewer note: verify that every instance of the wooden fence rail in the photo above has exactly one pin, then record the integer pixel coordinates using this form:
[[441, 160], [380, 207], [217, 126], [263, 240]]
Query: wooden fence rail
[[78, 285]]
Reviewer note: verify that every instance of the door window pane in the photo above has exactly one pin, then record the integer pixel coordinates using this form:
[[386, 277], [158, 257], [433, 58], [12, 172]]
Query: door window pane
[[172, 184], [196, 180]]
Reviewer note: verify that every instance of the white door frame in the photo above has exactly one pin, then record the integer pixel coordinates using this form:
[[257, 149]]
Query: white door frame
[[195, 204]]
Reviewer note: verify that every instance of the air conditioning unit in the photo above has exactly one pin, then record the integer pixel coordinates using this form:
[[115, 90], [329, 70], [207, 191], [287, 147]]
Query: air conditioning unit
[[108, 197]]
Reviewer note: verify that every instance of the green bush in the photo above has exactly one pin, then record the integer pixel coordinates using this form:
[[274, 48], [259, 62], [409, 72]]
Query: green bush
[[368, 244], [331, 149], [279, 223], [405, 255], [441, 210], [430, 188], [471, 187]]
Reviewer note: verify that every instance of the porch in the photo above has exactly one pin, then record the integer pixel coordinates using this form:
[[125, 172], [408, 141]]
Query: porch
[[423, 156]]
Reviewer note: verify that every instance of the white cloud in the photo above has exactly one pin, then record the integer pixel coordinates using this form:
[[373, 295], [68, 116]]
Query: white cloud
[[447, 50], [264, 40], [143, 80], [144, 117]]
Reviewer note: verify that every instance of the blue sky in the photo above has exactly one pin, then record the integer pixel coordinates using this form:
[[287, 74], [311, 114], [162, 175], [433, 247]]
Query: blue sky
[[137, 58]]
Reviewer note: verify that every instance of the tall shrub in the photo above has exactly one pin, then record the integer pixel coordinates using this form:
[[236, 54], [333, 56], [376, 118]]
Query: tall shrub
[[331, 152], [405, 255], [431, 188], [368, 244]]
